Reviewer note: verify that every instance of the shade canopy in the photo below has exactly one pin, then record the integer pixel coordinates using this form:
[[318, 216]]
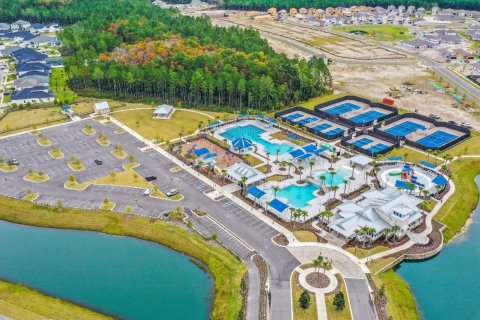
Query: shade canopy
[[440, 181], [256, 192], [242, 143], [278, 205]]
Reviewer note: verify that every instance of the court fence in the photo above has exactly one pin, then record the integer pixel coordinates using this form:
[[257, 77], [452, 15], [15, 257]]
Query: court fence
[[344, 142]]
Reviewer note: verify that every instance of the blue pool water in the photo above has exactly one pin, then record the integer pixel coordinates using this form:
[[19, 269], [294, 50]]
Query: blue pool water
[[337, 178], [446, 287], [253, 133], [298, 196]]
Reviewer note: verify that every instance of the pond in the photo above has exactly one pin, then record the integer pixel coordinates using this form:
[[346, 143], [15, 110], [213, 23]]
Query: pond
[[446, 286], [121, 276]]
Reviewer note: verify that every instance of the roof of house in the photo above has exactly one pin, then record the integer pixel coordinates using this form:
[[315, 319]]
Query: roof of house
[[25, 55], [38, 26], [32, 81], [27, 67], [43, 39], [462, 52], [163, 109], [31, 93], [21, 22], [33, 73], [4, 26], [416, 43], [101, 105], [25, 35]]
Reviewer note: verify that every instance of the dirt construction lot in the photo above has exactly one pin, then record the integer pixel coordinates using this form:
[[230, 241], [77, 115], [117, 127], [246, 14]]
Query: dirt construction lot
[[333, 45], [374, 82]]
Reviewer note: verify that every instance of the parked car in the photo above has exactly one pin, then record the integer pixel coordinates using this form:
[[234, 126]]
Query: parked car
[[147, 192], [434, 116], [466, 125], [99, 162], [452, 122], [172, 192], [15, 162], [151, 178]]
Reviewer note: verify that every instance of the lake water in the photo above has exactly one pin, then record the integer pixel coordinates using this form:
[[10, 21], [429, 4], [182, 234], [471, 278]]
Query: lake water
[[126, 277], [446, 287]]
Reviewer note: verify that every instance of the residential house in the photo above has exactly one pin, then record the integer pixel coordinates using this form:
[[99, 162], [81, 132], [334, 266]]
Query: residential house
[[28, 55], [476, 66], [19, 36], [410, 10], [417, 44], [435, 10], [450, 18], [450, 39], [32, 95], [464, 55], [4, 26], [293, 11], [38, 28], [43, 40], [447, 54], [20, 25], [45, 73], [272, 11], [53, 27], [23, 68], [379, 210], [31, 82], [303, 11], [391, 8], [401, 9], [163, 111]]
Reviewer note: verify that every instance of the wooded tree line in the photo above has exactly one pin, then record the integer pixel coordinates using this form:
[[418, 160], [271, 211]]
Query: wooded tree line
[[321, 4], [132, 49]]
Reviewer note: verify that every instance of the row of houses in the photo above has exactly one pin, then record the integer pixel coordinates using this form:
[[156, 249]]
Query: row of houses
[[36, 28], [433, 39], [33, 77], [473, 32], [27, 39]]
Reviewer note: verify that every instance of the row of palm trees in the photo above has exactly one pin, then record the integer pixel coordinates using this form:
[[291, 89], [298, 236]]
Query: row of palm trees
[[365, 234], [321, 262]]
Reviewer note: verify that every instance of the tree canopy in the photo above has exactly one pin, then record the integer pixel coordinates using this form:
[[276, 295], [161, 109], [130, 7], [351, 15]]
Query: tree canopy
[[132, 49]]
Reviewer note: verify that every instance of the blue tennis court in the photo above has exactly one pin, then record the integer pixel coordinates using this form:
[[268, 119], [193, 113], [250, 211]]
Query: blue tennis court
[[292, 117], [379, 147], [362, 142], [404, 129], [307, 120], [436, 139], [342, 108], [367, 116], [322, 127], [334, 132]]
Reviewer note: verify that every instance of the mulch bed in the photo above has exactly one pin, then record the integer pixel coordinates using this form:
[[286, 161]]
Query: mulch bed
[[317, 280], [263, 270], [379, 302], [281, 240]]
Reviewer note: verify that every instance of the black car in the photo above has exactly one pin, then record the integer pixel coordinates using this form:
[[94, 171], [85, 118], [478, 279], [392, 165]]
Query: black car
[[99, 162], [150, 178]]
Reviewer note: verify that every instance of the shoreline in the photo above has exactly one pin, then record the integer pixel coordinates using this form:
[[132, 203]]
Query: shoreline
[[223, 267]]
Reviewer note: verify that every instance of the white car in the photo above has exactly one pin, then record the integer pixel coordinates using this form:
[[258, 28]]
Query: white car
[[434, 116], [172, 192], [147, 192], [466, 125]]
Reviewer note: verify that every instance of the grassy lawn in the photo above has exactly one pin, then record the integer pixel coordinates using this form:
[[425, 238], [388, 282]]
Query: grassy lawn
[[455, 212], [141, 121], [428, 204], [377, 264], [160, 195], [128, 178], [19, 302], [401, 304], [310, 104], [104, 142], [76, 165], [380, 32], [120, 131], [44, 142], [334, 314], [251, 160], [6, 168], [36, 177], [56, 153], [298, 313], [30, 197], [263, 169], [226, 269], [471, 146], [26, 119], [75, 185], [59, 86], [362, 253], [89, 131], [120, 154], [305, 236], [412, 155], [107, 206]]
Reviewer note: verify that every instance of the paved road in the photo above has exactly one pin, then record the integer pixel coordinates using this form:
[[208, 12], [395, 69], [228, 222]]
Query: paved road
[[237, 228]]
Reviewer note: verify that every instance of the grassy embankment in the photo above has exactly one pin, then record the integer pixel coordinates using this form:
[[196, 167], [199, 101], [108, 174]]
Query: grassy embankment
[[19, 302], [379, 32], [224, 267], [333, 314], [59, 86], [298, 313]]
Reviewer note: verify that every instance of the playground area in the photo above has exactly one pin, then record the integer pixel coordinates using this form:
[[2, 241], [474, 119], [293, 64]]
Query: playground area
[[206, 151], [408, 177]]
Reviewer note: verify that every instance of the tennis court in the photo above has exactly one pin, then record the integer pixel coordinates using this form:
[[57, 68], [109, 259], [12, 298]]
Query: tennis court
[[334, 132], [305, 121], [293, 116], [436, 139], [367, 116], [362, 142], [379, 147], [321, 127], [342, 108], [405, 128]]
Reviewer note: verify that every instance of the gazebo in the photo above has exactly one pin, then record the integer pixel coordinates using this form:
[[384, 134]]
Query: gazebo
[[241, 144]]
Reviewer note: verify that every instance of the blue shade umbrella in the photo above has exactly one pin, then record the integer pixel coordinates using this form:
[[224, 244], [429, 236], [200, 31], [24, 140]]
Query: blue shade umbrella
[[242, 143]]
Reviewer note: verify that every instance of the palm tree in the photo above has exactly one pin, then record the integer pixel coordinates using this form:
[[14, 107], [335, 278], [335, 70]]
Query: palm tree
[[394, 229], [333, 157], [411, 186], [437, 187], [311, 164], [317, 263], [353, 171], [300, 169], [365, 231], [327, 264], [345, 182], [292, 211], [334, 189], [224, 174], [277, 152], [327, 214], [243, 180], [268, 158], [420, 190], [386, 233], [322, 180], [425, 193], [289, 164], [304, 213], [275, 190], [332, 173]]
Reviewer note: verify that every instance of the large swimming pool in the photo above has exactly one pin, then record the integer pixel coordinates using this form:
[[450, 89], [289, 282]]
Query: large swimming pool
[[253, 133], [337, 178], [298, 196]]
